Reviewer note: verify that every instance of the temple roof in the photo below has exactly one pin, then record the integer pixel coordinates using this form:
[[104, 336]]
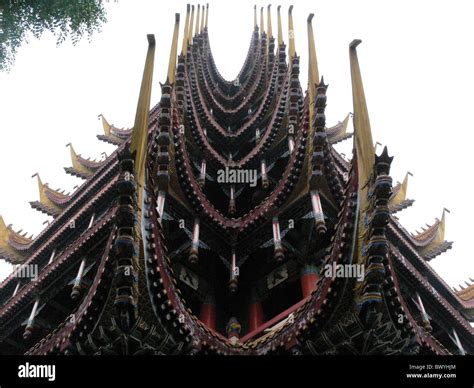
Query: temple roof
[[338, 132], [51, 201], [166, 153], [398, 199], [81, 167], [13, 244], [431, 240], [112, 134], [466, 293]]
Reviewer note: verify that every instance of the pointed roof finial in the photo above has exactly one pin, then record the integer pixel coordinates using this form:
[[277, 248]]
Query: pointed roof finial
[[75, 161], [45, 195], [184, 47], [313, 74], [196, 31], [8, 235], [207, 15], [140, 127], [173, 52], [269, 23], [291, 34], [190, 28], [71, 149], [255, 24], [40, 182], [442, 227], [4, 233], [433, 238], [401, 195], [280, 31], [262, 23], [105, 125], [345, 122], [364, 145], [203, 18], [404, 185]]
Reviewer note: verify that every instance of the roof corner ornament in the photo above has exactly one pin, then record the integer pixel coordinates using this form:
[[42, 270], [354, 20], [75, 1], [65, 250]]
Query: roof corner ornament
[[363, 143], [203, 19], [269, 23], [313, 74], [198, 15], [140, 128], [190, 28], [280, 30], [255, 24], [291, 35], [184, 46], [173, 53]]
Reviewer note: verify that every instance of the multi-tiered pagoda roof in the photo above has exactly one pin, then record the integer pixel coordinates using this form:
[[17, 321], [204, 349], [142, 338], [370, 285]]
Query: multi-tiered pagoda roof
[[226, 222]]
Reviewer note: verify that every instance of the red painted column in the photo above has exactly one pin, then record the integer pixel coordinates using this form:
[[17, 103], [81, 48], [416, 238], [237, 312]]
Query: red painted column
[[208, 312], [309, 279], [256, 318]]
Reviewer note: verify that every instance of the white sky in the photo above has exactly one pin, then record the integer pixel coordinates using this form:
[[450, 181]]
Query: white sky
[[417, 65]]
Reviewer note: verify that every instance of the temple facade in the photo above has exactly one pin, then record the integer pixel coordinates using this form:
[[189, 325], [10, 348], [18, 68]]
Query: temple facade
[[225, 222]]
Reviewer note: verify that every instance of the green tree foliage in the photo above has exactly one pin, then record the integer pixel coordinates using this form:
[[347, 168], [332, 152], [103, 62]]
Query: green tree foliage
[[20, 19]]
